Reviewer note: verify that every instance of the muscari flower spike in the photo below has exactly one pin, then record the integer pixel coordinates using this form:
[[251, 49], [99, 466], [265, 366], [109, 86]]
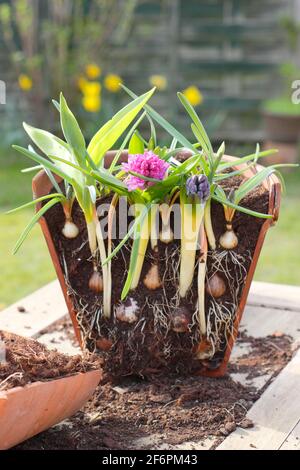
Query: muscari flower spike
[[198, 185], [146, 164]]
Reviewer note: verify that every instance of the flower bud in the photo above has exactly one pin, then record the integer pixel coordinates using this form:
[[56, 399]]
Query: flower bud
[[198, 185]]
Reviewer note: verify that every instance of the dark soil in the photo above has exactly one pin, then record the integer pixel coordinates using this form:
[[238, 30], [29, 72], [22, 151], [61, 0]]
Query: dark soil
[[175, 409], [150, 345], [267, 356], [28, 361]]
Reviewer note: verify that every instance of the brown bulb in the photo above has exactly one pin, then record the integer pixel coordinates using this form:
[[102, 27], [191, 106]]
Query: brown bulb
[[152, 279], [127, 313], [181, 320], [215, 286], [96, 282], [104, 344]]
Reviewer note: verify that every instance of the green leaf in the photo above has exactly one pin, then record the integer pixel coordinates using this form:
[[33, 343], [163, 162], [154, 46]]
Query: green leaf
[[46, 163], [124, 240], [247, 158], [53, 180], [56, 105], [35, 201], [173, 144], [256, 180], [203, 137], [134, 251], [53, 146], [163, 122], [218, 158], [145, 178], [32, 168], [153, 139], [109, 181], [72, 131], [124, 143], [108, 134], [136, 145], [33, 221], [224, 176], [188, 165], [226, 202]]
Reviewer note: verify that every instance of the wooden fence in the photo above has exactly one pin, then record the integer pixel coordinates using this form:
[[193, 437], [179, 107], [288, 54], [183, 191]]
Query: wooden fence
[[230, 49]]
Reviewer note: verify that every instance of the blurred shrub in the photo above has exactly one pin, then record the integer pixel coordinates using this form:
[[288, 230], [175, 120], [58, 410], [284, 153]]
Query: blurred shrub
[[57, 45]]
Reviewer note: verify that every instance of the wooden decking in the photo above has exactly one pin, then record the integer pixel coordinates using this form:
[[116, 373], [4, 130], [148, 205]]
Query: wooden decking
[[270, 308]]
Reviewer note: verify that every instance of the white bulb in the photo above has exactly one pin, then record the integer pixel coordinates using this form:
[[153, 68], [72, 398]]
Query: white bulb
[[229, 240], [70, 230]]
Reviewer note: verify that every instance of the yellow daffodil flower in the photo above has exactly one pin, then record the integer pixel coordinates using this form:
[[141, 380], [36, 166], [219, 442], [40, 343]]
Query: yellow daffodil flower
[[113, 82], [25, 82], [91, 103], [91, 88], [93, 71], [81, 81], [160, 81], [194, 95]]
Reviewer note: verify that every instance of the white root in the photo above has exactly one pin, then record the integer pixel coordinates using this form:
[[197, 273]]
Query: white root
[[221, 315]]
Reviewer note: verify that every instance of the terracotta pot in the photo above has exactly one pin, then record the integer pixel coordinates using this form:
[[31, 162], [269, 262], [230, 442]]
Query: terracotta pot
[[42, 186], [281, 127], [29, 410]]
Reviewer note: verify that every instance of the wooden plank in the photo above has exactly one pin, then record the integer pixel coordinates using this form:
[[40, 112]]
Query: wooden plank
[[293, 440], [278, 296], [38, 310], [275, 414], [60, 341], [264, 321]]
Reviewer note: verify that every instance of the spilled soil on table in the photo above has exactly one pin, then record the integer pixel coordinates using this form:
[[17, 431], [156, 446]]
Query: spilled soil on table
[[168, 410], [150, 344], [24, 361]]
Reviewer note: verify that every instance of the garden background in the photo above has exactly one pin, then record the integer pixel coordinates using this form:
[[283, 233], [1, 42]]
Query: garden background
[[228, 56]]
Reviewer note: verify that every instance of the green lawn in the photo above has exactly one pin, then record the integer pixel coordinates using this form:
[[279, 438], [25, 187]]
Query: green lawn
[[31, 267]]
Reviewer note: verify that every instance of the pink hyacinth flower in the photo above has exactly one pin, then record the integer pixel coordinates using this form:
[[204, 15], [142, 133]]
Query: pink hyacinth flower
[[146, 164]]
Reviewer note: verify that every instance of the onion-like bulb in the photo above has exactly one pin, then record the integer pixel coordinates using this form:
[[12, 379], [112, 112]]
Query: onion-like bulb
[[229, 240], [127, 312], [152, 279], [215, 286], [181, 320], [96, 282], [70, 230]]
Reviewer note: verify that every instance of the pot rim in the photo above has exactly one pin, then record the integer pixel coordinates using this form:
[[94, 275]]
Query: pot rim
[[4, 394]]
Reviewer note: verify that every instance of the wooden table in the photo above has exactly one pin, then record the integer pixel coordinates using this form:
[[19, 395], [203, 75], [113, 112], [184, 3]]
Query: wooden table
[[270, 308]]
